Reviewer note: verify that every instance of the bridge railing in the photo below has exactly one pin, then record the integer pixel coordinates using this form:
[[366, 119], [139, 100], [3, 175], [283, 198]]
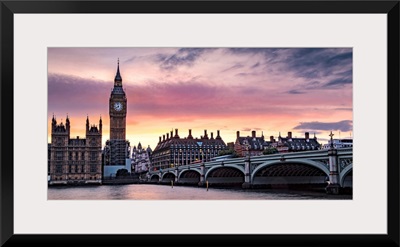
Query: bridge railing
[[259, 159]]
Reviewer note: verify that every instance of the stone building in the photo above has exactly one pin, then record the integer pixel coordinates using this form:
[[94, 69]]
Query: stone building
[[295, 144], [254, 146], [172, 150], [141, 158], [249, 145], [75, 160]]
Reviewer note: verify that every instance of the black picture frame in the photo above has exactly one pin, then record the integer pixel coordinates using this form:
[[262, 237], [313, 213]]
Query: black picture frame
[[9, 8]]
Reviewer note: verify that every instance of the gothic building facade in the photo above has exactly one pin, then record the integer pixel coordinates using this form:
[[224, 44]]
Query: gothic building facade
[[141, 158], [75, 160], [172, 151], [117, 149]]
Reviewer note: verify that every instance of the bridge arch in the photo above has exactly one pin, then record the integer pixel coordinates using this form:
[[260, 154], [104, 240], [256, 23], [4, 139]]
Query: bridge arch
[[306, 168], [298, 161], [189, 176], [344, 173], [185, 171], [238, 167], [166, 175], [225, 174], [154, 178]]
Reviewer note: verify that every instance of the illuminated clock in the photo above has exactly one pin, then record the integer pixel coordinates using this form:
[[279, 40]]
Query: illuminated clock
[[118, 106]]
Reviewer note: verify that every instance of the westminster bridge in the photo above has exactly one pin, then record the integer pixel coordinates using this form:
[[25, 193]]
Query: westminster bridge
[[327, 166]]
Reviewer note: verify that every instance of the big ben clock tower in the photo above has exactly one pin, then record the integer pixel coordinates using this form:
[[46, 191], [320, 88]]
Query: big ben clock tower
[[117, 111]]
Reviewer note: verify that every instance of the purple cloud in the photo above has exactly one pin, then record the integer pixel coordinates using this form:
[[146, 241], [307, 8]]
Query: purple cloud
[[344, 125], [184, 56]]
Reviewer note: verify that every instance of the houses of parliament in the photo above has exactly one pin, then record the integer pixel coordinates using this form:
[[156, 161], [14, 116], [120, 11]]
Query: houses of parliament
[[80, 160]]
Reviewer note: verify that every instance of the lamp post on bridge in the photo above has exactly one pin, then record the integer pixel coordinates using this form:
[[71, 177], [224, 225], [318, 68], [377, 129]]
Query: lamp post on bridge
[[247, 175], [176, 174], [160, 176], [202, 174], [333, 186]]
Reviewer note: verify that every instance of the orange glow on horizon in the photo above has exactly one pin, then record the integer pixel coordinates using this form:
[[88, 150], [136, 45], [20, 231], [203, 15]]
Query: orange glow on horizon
[[148, 131]]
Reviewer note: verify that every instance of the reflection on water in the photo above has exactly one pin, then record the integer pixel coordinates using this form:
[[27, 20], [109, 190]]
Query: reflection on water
[[163, 192]]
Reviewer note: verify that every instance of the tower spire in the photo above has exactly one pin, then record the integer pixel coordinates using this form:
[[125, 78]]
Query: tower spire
[[53, 123], [87, 123], [67, 125], [118, 78], [100, 125]]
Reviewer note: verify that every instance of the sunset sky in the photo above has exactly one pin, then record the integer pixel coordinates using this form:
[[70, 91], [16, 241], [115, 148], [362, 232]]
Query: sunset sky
[[269, 90]]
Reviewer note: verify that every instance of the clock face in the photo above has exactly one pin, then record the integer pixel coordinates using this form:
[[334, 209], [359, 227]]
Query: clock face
[[118, 106]]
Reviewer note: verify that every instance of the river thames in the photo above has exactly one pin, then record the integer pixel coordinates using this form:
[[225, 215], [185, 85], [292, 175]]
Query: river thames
[[165, 192]]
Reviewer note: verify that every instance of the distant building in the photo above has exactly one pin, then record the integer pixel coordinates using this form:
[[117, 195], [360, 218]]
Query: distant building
[[339, 143], [141, 159], [75, 160], [255, 146], [249, 145], [176, 151], [290, 144], [230, 145]]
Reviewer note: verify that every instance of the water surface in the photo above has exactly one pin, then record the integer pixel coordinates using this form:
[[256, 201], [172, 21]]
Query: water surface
[[164, 192]]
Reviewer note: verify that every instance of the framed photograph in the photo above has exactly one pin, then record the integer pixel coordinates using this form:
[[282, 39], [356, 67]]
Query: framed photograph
[[291, 60], [209, 90]]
